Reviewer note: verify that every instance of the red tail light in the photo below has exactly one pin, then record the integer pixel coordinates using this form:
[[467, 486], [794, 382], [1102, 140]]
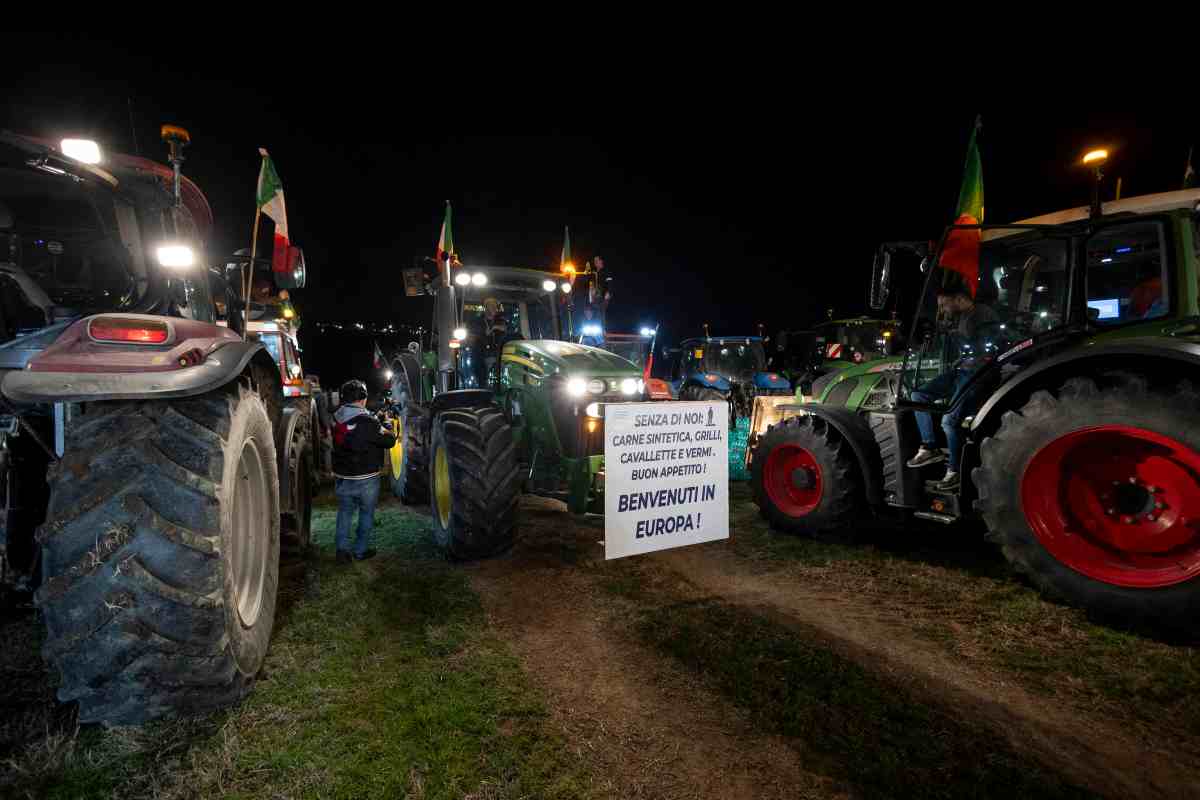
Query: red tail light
[[128, 330]]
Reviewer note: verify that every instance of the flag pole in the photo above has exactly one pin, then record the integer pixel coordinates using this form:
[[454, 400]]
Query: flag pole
[[248, 279]]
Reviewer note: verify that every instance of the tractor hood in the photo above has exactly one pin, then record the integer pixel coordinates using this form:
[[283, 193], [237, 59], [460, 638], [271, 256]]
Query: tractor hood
[[572, 359]]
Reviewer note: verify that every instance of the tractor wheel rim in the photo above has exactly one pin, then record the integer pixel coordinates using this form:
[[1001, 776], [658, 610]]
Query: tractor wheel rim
[[793, 480], [441, 486], [1117, 503], [250, 533], [397, 451]]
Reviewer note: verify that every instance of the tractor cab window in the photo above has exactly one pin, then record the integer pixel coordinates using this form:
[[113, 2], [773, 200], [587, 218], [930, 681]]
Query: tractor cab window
[[691, 359], [990, 290], [67, 238], [1127, 277], [735, 359]]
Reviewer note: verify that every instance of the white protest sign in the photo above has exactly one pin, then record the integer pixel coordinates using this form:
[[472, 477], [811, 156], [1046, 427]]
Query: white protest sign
[[666, 475]]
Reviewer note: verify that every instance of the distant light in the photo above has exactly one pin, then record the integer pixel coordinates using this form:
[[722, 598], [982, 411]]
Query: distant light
[[548, 285], [1044, 314], [460, 333], [176, 256], [462, 279], [1098, 156], [566, 287], [591, 330], [1042, 287], [1124, 249], [387, 374], [83, 150], [1106, 261], [647, 332], [479, 279], [455, 344]]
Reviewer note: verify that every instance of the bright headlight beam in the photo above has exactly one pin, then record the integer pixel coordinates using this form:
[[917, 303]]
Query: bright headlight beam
[[566, 287], [83, 150], [462, 279], [629, 386], [460, 333], [479, 279], [576, 387], [548, 286], [176, 256]]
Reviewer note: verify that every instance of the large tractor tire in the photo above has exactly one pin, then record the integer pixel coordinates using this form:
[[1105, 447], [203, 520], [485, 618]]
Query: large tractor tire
[[160, 555], [296, 526], [475, 480], [408, 461], [805, 480], [1094, 495]]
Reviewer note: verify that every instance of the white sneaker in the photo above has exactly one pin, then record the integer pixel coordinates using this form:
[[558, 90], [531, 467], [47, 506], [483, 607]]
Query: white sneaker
[[926, 456]]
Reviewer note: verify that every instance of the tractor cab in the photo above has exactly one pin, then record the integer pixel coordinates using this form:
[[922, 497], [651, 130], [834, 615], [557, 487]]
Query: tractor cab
[[731, 368], [853, 341], [638, 348]]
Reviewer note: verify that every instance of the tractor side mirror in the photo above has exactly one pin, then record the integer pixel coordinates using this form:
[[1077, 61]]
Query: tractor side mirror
[[291, 273], [881, 279]]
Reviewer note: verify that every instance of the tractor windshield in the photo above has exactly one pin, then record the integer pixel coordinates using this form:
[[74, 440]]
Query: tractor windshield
[[634, 350], [860, 341], [66, 243], [991, 290], [737, 360]]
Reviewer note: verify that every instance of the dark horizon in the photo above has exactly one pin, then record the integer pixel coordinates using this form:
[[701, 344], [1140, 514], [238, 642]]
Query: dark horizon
[[708, 203]]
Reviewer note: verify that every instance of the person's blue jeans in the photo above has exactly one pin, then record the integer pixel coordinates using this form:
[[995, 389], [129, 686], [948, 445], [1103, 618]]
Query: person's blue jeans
[[360, 496], [949, 385]]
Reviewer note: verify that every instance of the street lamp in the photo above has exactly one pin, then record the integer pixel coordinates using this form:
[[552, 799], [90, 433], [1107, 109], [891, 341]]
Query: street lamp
[[1096, 160]]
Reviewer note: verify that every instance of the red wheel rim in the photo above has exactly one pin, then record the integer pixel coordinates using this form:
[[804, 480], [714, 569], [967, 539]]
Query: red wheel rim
[[1118, 504], [793, 480]]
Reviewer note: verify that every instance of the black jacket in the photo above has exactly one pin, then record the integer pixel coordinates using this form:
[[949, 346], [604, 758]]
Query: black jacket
[[359, 442]]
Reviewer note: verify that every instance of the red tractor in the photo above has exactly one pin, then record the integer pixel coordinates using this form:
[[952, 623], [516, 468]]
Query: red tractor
[[147, 459]]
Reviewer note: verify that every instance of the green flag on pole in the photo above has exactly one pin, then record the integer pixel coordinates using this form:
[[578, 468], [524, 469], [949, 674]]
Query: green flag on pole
[[970, 195]]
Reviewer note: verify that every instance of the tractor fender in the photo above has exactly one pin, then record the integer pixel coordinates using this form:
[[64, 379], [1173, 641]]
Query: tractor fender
[[702, 379], [460, 398], [1138, 353], [284, 434], [854, 429], [219, 367]]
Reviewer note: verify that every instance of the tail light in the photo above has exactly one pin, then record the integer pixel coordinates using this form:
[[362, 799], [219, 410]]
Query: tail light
[[128, 330]]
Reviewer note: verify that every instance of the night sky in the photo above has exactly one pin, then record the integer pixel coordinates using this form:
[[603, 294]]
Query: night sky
[[716, 193]]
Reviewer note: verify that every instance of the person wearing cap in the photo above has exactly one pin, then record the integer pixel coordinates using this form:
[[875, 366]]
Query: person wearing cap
[[359, 444]]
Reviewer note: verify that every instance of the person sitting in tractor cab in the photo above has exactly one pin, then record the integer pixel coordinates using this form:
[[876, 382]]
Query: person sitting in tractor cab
[[972, 321], [493, 332]]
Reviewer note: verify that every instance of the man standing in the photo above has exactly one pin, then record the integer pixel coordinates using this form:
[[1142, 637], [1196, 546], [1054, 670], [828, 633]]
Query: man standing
[[974, 323], [359, 444]]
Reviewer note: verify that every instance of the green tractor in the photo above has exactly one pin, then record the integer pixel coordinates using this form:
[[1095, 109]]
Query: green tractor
[[1079, 421], [483, 416]]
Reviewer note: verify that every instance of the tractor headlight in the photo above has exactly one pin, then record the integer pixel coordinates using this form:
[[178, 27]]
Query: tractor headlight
[[549, 285], [176, 256], [593, 410], [460, 333], [479, 279], [630, 386], [596, 386], [462, 279], [83, 150], [576, 387], [591, 330]]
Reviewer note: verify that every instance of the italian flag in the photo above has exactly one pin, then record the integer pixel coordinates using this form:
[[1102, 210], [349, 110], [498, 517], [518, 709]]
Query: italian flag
[[270, 202], [961, 251], [445, 243]]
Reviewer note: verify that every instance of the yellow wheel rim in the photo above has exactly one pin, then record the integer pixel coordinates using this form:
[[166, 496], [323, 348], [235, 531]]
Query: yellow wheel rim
[[397, 451], [441, 486]]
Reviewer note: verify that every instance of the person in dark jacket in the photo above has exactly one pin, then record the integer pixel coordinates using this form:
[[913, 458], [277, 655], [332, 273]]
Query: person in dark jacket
[[359, 442]]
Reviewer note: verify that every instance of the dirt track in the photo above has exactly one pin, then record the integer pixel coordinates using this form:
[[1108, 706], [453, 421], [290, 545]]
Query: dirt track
[[656, 731]]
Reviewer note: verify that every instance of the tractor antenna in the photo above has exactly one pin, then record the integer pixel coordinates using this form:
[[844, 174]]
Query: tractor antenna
[[137, 151]]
